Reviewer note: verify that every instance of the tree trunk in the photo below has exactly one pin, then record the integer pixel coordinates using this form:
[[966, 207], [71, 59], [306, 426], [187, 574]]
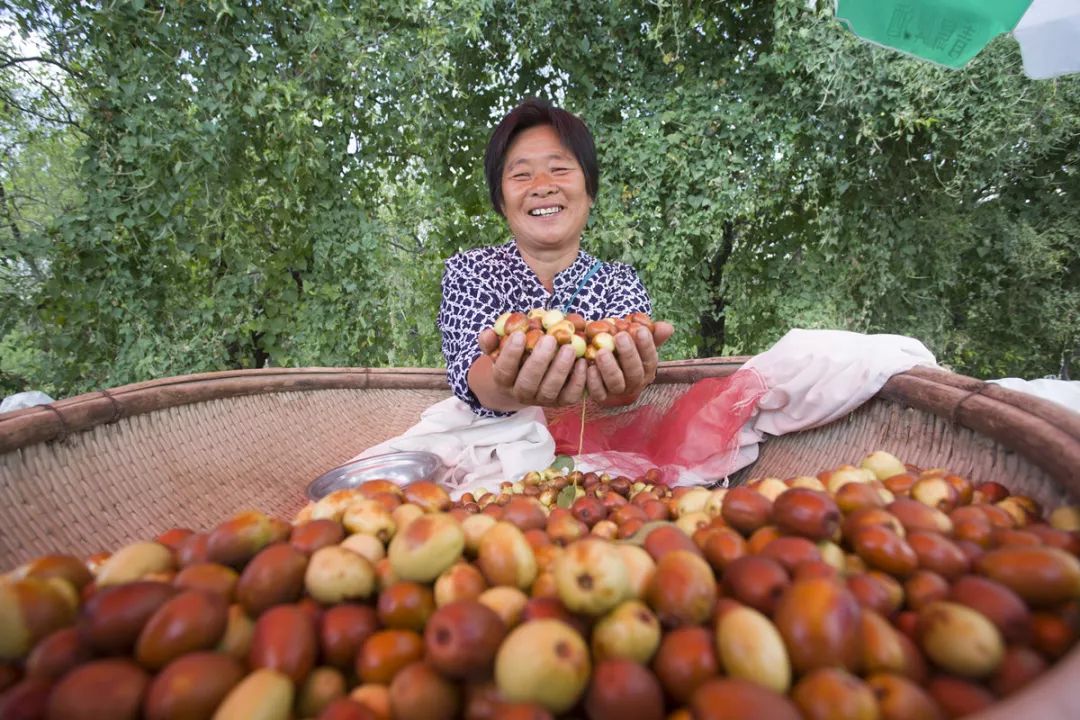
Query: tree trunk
[[712, 319], [5, 204]]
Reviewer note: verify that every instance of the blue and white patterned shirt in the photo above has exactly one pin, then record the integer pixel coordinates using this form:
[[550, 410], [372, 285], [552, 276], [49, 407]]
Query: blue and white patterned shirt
[[480, 285]]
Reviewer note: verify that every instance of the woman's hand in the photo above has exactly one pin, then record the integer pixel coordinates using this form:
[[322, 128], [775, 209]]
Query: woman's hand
[[549, 376], [619, 380]]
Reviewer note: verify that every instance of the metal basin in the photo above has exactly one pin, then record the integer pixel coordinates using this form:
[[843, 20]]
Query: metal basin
[[401, 468]]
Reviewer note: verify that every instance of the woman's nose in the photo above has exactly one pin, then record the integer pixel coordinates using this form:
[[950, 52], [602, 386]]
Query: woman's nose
[[543, 184]]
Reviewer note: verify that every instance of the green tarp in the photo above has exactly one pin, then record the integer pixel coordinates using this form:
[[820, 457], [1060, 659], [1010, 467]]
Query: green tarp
[[948, 32]]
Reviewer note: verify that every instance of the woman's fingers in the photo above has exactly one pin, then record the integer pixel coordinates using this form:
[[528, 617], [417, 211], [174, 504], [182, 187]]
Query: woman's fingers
[[595, 384], [649, 358], [544, 373], [610, 372], [575, 387], [530, 374], [549, 375], [505, 369], [662, 331], [488, 341], [556, 376], [630, 362], [633, 366]]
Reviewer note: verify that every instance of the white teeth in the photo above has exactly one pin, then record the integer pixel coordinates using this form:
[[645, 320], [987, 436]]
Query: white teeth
[[544, 211]]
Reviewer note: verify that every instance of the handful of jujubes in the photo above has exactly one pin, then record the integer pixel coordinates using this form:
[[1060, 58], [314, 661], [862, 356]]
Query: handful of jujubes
[[586, 337]]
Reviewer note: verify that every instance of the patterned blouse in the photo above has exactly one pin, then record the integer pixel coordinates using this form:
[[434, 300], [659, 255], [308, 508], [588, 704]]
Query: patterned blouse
[[480, 285]]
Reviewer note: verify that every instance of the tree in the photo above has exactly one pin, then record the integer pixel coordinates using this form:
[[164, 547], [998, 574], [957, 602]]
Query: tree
[[38, 136], [279, 183]]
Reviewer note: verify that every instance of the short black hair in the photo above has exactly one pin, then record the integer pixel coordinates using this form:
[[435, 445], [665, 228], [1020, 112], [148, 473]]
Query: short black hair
[[573, 133]]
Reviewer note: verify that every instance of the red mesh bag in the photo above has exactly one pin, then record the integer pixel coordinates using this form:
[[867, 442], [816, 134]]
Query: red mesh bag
[[696, 440]]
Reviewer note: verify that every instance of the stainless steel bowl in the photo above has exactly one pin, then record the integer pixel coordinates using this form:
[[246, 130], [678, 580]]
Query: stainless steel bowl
[[398, 467]]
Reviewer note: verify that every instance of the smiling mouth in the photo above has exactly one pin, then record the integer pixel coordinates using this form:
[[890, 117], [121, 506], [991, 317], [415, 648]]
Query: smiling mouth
[[546, 211]]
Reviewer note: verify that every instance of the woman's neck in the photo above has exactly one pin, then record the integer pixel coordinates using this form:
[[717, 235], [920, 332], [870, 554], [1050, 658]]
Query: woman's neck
[[549, 263]]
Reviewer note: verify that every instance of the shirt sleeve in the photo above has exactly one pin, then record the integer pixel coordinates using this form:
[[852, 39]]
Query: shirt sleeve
[[626, 293], [468, 306]]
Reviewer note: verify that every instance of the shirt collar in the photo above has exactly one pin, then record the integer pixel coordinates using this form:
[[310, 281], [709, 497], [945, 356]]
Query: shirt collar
[[566, 281]]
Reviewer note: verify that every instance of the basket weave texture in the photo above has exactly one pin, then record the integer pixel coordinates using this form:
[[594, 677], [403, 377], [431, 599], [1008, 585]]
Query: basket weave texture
[[97, 471]]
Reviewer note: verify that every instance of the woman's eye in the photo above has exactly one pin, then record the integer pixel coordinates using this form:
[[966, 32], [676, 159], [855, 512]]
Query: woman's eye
[[560, 170], [520, 176]]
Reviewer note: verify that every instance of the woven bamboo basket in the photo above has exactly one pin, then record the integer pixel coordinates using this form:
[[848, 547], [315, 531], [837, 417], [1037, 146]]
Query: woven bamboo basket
[[96, 471]]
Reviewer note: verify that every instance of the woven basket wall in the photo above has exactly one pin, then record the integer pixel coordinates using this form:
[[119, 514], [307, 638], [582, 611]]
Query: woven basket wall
[[94, 472]]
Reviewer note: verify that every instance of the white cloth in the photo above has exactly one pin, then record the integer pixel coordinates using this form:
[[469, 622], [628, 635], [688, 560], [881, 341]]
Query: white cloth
[[478, 452], [26, 399], [817, 376], [1049, 38], [1063, 392]]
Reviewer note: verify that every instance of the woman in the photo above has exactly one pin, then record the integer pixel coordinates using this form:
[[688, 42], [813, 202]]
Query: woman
[[542, 176]]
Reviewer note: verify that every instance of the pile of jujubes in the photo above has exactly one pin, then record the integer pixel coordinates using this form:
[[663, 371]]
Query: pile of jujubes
[[878, 591]]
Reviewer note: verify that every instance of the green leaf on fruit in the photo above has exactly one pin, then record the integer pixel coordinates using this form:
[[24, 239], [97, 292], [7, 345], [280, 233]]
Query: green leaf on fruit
[[566, 496], [563, 463]]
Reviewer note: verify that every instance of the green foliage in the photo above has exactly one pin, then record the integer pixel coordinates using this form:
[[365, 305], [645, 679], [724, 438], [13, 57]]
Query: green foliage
[[279, 183], [38, 140]]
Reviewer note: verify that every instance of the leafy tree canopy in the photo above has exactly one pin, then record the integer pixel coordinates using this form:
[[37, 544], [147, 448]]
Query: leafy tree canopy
[[198, 186]]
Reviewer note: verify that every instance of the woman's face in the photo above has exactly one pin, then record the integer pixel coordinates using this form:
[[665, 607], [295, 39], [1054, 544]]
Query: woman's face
[[543, 187]]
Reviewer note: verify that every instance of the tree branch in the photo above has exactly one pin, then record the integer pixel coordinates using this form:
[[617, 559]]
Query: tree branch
[[34, 113], [39, 59], [57, 98], [404, 248]]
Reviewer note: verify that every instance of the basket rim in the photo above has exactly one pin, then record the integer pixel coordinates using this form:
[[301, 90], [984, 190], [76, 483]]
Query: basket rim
[[1045, 433], [61, 418]]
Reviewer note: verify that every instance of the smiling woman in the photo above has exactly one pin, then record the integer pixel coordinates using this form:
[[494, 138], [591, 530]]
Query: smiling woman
[[543, 178], [544, 196]]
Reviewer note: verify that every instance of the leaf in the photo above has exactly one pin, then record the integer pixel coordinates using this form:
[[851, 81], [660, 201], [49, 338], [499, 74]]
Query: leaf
[[566, 496], [563, 463]]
